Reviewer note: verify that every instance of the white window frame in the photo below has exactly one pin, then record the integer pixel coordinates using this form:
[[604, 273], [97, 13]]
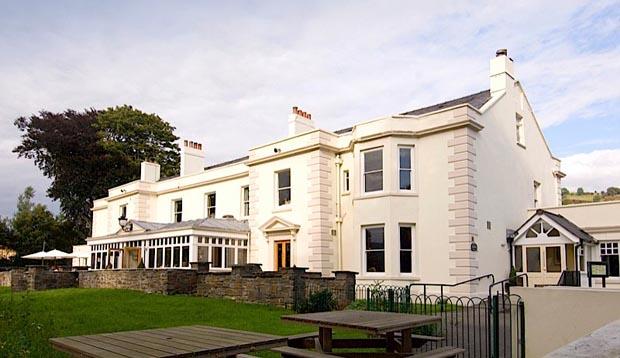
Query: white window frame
[[208, 206], [346, 181], [363, 166], [537, 193], [174, 210], [245, 203], [364, 251], [411, 250], [607, 248], [519, 129], [278, 188], [411, 172]]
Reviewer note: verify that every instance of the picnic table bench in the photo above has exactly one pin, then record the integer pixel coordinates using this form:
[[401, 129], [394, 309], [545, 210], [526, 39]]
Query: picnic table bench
[[187, 341]]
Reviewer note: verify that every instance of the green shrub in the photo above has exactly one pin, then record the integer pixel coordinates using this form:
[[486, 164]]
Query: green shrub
[[320, 301]]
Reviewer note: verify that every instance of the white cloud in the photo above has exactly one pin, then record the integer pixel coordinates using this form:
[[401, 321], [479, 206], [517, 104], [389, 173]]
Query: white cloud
[[596, 170], [227, 74]]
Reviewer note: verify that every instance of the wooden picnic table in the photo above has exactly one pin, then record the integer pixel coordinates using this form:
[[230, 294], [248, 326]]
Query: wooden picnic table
[[375, 323], [187, 341]]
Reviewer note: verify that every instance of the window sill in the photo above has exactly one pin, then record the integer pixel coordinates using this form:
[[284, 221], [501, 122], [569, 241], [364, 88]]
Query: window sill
[[384, 194], [282, 209], [346, 193], [383, 276], [521, 145]]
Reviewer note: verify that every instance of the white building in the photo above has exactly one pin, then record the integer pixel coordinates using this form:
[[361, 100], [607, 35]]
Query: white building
[[400, 198]]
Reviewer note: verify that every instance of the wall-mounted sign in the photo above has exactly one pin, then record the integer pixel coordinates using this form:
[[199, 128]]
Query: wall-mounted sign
[[597, 269]]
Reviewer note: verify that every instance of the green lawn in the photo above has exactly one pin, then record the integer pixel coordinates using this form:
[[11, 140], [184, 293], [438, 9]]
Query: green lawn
[[27, 320]]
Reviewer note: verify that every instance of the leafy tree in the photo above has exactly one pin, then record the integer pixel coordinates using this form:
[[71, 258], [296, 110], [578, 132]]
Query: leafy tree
[[86, 153], [565, 191], [612, 190], [33, 225], [580, 191]]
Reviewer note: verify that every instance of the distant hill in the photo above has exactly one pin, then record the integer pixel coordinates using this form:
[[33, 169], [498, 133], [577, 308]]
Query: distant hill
[[582, 197]]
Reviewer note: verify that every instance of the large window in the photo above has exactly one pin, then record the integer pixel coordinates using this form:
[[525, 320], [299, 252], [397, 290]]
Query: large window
[[375, 248], [406, 249], [609, 254], [177, 211], [373, 170], [210, 203], [245, 200], [284, 187], [404, 168], [230, 257], [216, 257], [532, 256]]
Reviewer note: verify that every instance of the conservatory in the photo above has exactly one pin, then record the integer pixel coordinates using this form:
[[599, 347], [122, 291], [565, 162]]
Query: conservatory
[[222, 242]]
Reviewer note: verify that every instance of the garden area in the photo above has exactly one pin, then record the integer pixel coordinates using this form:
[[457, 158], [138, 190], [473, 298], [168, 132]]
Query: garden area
[[29, 319]]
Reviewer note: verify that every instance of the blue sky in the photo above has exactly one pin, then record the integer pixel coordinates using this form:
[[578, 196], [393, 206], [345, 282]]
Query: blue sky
[[227, 73]]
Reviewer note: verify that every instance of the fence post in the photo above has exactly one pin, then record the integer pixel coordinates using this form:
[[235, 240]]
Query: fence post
[[390, 300], [441, 300], [495, 326], [521, 309], [408, 299], [367, 299]]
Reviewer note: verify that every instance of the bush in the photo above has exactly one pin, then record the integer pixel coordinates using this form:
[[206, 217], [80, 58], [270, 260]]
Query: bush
[[320, 301]]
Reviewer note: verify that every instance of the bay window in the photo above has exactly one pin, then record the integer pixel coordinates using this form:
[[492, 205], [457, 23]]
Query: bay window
[[404, 168], [374, 242], [406, 249]]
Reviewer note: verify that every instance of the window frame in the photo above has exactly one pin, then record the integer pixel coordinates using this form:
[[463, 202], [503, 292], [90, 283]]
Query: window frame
[[519, 129], [245, 203], [365, 250], [175, 212], [122, 211], [364, 172], [208, 206], [346, 181], [410, 169], [411, 250], [284, 188], [606, 249]]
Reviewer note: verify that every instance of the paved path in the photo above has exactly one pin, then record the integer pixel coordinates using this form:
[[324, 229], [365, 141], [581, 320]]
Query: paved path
[[602, 343]]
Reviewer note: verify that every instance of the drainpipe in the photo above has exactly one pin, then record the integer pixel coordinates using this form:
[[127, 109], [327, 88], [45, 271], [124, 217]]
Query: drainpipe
[[339, 209]]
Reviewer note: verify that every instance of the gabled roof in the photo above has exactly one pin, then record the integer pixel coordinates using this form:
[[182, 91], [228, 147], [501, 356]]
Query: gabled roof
[[560, 220], [476, 100]]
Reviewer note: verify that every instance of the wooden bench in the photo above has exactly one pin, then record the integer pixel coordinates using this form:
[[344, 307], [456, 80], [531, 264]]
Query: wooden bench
[[418, 340], [443, 352], [303, 340], [299, 353]]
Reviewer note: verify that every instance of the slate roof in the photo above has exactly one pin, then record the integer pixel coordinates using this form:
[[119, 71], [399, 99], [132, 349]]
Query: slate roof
[[563, 222], [231, 224], [233, 161], [476, 100]]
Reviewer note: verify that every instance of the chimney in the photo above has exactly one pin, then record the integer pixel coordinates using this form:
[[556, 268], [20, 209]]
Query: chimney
[[299, 122], [502, 71], [192, 158], [149, 172]]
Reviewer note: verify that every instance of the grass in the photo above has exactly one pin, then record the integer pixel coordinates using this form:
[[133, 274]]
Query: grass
[[28, 320]]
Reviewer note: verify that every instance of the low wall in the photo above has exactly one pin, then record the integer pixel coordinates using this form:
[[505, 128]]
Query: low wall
[[556, 316], [166, 282], [5, 278], [40, 278], [248, 283]]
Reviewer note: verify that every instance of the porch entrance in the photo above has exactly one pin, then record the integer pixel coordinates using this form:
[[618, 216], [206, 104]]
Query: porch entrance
[[131, 257], [282, 254]]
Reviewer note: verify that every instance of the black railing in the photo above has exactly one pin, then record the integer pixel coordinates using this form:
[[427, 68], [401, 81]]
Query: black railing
[[514, 306], [443, 286]]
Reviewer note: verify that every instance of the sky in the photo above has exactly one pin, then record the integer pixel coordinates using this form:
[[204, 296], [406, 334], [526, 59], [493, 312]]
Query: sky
[[227, 73]]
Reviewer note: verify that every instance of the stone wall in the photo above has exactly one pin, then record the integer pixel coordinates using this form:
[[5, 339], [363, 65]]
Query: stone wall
[[248, 283], [5, 278], [41, 278], [166, 282]]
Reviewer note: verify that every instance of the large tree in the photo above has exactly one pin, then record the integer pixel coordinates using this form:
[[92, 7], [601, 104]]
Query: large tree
[[86, 153]]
